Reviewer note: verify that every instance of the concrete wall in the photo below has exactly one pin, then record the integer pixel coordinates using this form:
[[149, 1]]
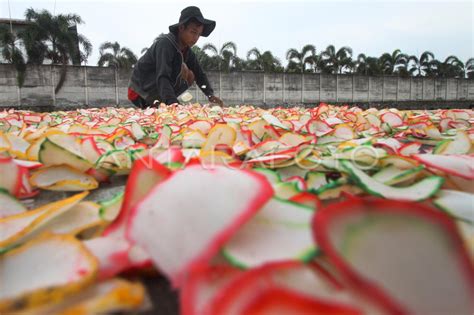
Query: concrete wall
[[94, 86]]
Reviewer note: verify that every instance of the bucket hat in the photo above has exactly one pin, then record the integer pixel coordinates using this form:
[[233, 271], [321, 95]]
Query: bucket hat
[[194, 12]]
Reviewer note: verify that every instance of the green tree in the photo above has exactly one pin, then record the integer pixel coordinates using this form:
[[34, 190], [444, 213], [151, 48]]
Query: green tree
[[213, 61], [265, 61], [368, 65], [469, 68], [35, 48], [60, 43], [239, 64], [9, 46], [396, 62], [228, 53], [423, 66], [297, 60], [451, 67], [207, 62], [360, 65], [112, 55], [225, 58], [332, 61]]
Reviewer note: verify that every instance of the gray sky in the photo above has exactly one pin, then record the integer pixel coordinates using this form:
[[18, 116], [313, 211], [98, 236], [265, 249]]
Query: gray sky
[[370, 27]]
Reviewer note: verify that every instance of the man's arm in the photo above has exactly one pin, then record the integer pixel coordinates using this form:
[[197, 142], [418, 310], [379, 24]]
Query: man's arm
[[164, 53]]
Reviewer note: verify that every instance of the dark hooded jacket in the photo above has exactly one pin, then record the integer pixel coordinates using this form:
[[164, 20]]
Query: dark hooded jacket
[[157, 74]]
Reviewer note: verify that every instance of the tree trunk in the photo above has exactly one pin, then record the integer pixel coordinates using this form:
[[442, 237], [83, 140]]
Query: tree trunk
[[53, 45], [62, 75]]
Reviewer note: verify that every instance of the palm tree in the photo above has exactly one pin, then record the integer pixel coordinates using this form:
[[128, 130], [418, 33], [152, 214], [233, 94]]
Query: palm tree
[[361, 66], [265, 61], [254, 60], [293, 67], [452, 67], [226, 57], [60, 44], [54, 32], [203, 58], [213, 61], [200, 55], [424, 66], [228, 52], [297, 60], [207, 62], [396, 62], [12, 53], [375, 66], [34, 46], [469, 68], [368, 65], [332, 61], [238, 64], [119, 57]]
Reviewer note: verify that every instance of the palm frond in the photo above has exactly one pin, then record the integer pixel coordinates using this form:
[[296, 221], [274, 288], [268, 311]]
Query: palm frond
[[228, 46], [210, 47], [107, 59], [292, 53], [254, 52]]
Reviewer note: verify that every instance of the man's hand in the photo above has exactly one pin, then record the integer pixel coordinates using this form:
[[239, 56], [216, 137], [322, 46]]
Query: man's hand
[[215, 99], [171, 107]]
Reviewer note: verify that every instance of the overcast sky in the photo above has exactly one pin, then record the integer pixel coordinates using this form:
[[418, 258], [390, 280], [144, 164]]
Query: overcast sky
[[371, 27]]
